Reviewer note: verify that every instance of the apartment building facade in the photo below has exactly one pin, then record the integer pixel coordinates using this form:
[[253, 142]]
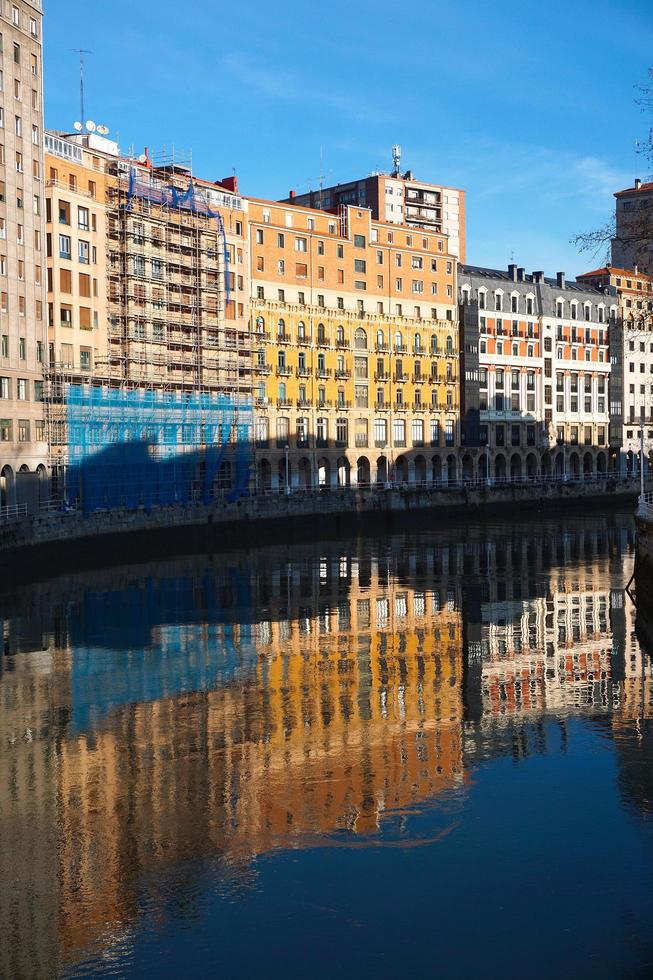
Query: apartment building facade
[[354, 349], [543, 368], [632, 244], [401, 199], [23, 351], [76, 188], [631, 355]]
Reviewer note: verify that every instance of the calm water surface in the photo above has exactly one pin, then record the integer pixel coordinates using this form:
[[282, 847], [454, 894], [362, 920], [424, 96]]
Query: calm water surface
[[414, 755]]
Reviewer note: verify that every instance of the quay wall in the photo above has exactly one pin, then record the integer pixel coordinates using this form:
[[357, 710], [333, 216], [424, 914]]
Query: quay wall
[[119, 533]]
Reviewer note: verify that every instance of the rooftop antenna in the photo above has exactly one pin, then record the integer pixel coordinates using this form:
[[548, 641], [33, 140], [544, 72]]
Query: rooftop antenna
[[81, 52], [396, 159], [321, 182]]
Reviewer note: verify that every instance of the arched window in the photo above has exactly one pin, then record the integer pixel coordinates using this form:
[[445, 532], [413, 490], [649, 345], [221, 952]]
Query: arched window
[[360, 339], [418, 343], [380, 339], [301, 330], [399, 341], [449, 345], [260, 324], [434, 344], [340, 336], [321, 333], [281, 329]]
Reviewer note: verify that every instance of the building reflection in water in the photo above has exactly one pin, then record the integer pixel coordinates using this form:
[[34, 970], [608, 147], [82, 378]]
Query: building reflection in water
[[158, 714]]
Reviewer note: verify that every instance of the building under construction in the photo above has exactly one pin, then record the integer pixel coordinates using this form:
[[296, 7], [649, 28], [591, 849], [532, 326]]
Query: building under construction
[[160, 370]]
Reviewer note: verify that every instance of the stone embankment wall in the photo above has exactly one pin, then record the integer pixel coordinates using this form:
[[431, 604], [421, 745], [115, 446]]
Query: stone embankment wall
[[311, 514]]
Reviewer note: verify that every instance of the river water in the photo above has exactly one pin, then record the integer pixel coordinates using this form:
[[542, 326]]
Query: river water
[[414, 754]]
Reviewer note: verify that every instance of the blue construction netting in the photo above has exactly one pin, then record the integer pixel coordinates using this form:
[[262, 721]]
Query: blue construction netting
[[188, 200], [141, 448]]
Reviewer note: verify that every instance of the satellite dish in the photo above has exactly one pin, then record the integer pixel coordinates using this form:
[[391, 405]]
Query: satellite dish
[[103, 130], [77, 127], [142, 158], [90, 125]]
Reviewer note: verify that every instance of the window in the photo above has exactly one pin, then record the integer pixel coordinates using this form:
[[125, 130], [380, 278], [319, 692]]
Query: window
[[83, 218], [84, 258], [399, 432], [360, 265], [21, 389], [359, 241], [259, 236], [301, 245], [360, 339], [341, 431], [4, 345], [5, 388], [5, 430], [64, 246], [418, 432]]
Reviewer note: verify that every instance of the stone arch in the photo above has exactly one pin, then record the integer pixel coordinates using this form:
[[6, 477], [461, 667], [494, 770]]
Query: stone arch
[[483, 469], [500, 466], [24, 468], [601, 462], [546, 464], [574, 465], [343, 470], [363, 471], [630, 462], [304, 473], [436, 468], [264, 475], [560, 463], [420, 469], [515, 466], [401, 470], [531, 466], [588, 465], [452, 469], [382, 470], [468, 468], [323, 472], [6, 486]]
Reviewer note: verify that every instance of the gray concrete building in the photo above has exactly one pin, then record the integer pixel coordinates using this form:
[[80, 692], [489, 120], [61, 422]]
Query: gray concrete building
[[23, 347]]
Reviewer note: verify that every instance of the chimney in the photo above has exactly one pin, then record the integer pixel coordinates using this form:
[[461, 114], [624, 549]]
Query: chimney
[[636, 269], [512, 271], [520, 274], [231, 183], [291, 195], [560, 279], [538, 277], [638, 183]]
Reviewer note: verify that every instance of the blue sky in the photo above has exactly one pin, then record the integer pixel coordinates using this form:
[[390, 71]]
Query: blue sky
[[530, 107]]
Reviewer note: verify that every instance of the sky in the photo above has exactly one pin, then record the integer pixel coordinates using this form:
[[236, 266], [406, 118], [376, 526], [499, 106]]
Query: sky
[[531, 108]]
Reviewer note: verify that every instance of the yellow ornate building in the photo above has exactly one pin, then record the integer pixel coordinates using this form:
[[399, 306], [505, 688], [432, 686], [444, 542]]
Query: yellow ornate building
[[354, 349]]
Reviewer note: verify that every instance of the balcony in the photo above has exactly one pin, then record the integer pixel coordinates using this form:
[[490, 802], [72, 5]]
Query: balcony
[[323, 372], [284, 372], [380, 443], [342, 343], [399, 377], [381, 375], [361, 442], [342, 375], [419, 379], [302, 372], [401, 349], [260, 336], [400, 407], [382, 406], [323, 342], [303, 403], [284, 403], [284, 338], [262, 369]]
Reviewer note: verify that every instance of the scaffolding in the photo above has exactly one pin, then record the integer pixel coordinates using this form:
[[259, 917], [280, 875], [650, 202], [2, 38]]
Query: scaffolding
[[165, 417], [144, 448]]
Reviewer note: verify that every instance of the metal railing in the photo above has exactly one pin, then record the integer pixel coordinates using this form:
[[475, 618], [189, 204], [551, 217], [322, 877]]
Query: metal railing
[[12, 513], [645, 506]]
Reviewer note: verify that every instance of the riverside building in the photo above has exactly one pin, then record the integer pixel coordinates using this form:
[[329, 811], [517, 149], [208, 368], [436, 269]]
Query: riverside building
[[535, 366], [354, 349], [631, 354], [22, 253], [398, 198]]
